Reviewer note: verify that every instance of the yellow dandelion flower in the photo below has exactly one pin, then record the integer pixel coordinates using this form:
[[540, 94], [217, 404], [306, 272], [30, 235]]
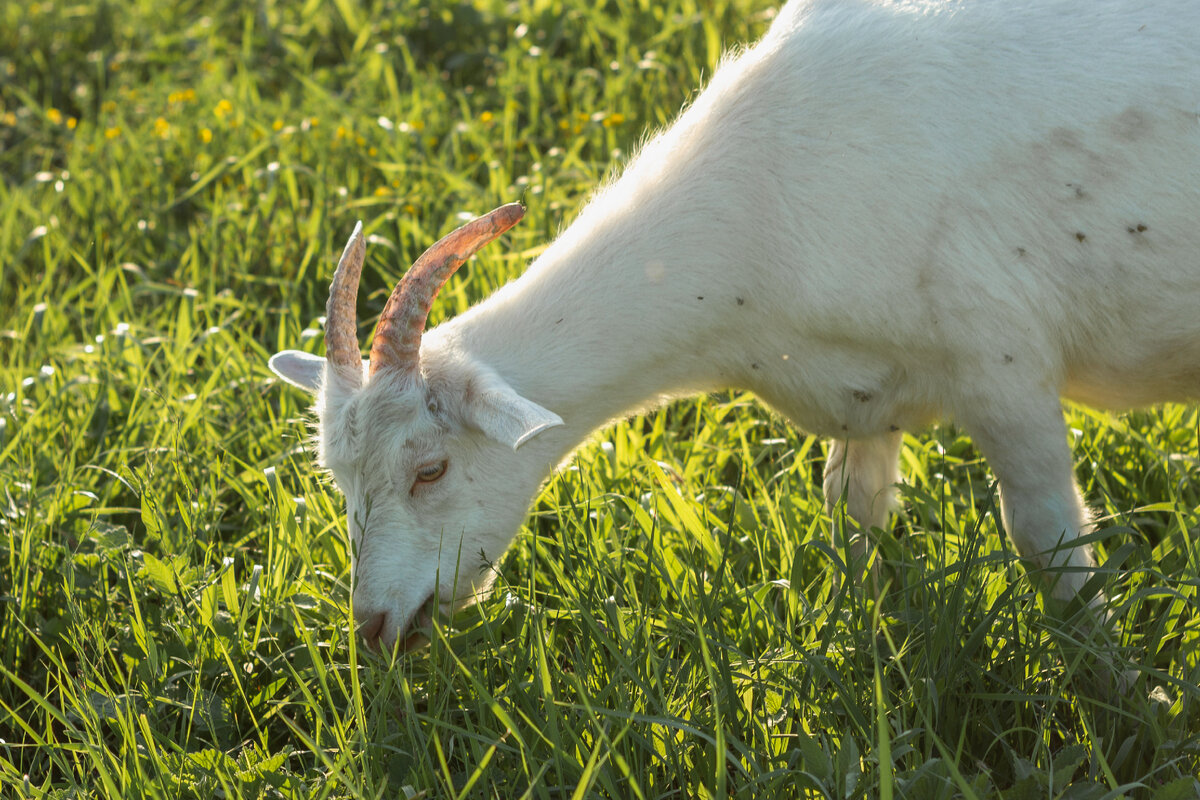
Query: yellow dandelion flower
[[205, 135], [223, 109], [71, 123], [162, 128], [277, 125], [409, 209], [313, 122], [360, 141], [113, 132], [189, 95], [341, 132], [382, 190], [109, 106], [54, 115], [372, 152], [419, 125], [486, 117], [9, 118], [614, 119]]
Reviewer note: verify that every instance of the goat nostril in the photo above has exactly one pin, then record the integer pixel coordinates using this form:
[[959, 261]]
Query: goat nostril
[[371, 628]]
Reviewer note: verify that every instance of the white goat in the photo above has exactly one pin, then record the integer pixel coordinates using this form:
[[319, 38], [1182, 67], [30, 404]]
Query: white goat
[[884, 213]]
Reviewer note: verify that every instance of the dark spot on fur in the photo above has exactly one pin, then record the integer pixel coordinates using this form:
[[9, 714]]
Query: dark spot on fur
[[1130, 125], [753, 365], [699, 297], [845, 428], [560, 319], [1020, 252], [1065, 138], [861, 396], [1079, 193], [741, 302], [924, 278], [893, 428], [1080, 236], [1139, 228], [1008, 359]]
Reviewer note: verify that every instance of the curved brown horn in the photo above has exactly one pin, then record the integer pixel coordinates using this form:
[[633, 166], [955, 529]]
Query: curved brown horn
[[397, 342], [341, 320]]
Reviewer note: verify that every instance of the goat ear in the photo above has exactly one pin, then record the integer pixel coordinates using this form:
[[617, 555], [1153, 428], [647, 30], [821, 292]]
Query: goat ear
[[504, 415], [299, 369]]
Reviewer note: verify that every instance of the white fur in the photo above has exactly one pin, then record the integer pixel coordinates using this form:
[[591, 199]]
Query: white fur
[[881, 214]]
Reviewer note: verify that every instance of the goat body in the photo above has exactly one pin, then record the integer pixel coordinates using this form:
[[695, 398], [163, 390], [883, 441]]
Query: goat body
[[881, 214]]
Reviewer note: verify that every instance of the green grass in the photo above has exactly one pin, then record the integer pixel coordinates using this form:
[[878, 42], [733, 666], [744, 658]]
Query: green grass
[[177, 182]]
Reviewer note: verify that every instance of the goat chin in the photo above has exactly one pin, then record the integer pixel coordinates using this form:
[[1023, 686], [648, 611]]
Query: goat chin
[[881, 214]]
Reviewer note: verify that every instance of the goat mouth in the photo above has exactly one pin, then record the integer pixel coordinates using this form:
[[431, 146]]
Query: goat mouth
[[416, 634]]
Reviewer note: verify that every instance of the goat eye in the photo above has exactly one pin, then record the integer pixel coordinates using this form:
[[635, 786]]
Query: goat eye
[[431, 472]]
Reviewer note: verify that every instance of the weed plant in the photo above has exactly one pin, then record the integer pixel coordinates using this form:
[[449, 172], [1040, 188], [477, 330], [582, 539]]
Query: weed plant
[[673, 622]]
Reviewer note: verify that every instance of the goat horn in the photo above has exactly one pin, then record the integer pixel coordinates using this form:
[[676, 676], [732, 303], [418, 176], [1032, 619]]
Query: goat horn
[[397, 342], [341, 320]]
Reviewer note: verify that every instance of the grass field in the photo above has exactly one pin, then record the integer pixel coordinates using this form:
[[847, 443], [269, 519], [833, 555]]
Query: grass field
[[177, 181]]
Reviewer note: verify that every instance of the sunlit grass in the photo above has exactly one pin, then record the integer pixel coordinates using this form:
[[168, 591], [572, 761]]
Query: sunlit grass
[[673, 621]]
